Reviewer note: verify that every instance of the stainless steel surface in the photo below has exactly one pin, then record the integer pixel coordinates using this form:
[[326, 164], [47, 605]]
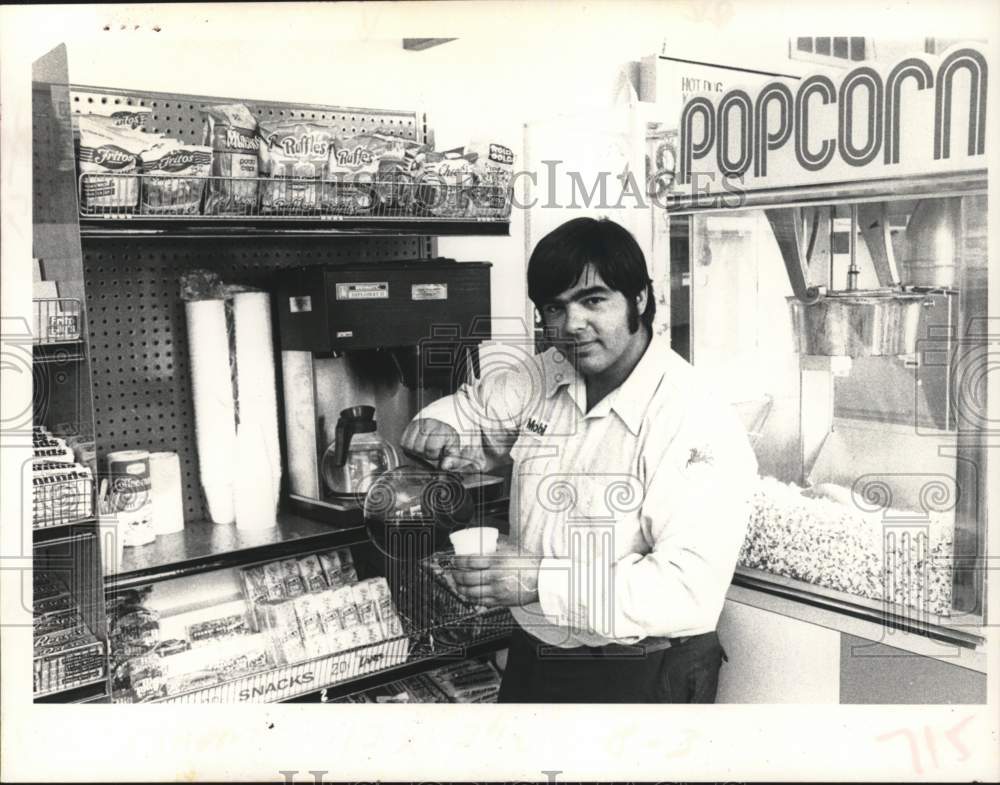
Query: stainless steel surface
[[873, 220], [786, 223], [855, 191], [930, 244], [857, 324]]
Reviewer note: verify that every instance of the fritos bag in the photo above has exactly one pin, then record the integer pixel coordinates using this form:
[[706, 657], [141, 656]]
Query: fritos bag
[[185, 167], [110, 150], [131, 118], [231, 131], [293, 153]]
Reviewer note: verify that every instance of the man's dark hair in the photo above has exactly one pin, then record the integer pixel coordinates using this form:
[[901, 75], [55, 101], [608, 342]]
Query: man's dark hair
[[561, 256]]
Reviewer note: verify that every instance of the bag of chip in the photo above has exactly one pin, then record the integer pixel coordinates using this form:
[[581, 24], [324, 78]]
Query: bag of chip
[[185, 168], [293, 154], [445, 182], [109, 158], [374, 171], [132, 118], [231, 131], [493, 171]]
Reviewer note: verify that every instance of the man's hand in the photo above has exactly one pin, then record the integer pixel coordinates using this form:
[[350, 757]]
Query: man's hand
[[437, 443], [505, 578]]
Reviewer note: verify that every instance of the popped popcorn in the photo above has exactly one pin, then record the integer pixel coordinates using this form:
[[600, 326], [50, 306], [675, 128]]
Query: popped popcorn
[[830, 544]]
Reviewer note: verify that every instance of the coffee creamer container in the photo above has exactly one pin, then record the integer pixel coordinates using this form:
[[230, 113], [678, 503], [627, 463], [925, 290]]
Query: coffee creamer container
[[131, 497]]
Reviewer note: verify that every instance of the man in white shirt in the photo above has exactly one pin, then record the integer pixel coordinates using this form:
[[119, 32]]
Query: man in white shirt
[[629, 488]]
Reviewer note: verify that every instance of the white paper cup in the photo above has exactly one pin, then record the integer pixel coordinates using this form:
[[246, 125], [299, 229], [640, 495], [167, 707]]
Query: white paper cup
[[475, 542]]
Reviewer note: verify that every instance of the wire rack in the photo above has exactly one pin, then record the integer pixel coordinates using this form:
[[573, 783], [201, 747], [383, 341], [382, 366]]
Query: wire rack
[[67, 669], [58, 320], [136, 196], [464, 625], [61, 499], [67, 653]]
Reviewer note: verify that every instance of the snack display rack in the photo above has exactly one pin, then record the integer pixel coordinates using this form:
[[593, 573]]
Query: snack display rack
[[60, 502], [424, 208], [70, 661], [57, 320], [396, 199], [319, 678], [125, 265], [58, 330]]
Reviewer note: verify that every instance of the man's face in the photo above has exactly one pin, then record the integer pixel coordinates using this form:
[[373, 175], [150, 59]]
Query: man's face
[[594, 319]]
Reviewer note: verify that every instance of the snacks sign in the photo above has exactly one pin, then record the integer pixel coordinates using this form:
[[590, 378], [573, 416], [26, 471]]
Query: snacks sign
[[922, 115]]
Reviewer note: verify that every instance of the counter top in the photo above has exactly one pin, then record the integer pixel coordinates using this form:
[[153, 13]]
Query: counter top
[[960, 643]]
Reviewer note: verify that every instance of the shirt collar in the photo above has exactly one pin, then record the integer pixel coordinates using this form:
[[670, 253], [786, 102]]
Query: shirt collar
[[629, 400]]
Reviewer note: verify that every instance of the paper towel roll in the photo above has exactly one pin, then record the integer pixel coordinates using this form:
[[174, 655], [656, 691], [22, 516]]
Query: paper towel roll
[[168, 504], [212, 390], [253, 500], [300, 423], [258, 403]]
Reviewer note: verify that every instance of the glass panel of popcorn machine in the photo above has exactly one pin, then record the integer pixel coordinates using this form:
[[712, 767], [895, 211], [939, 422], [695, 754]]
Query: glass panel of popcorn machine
[[871, 477]]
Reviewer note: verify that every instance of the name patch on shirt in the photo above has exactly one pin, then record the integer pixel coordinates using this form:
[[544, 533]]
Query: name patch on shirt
[[536, 427]]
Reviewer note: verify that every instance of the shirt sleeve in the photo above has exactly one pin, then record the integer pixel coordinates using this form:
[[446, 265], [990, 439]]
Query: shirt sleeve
[[486, 414], [695, 515]]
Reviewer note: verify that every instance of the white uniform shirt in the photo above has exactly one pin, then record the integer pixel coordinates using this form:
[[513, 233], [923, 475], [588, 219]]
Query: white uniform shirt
[[638, 507]]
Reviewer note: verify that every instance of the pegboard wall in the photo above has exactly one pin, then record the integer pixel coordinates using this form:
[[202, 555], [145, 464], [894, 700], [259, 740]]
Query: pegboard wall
[[179, 116], [137, 330], [138, 333]]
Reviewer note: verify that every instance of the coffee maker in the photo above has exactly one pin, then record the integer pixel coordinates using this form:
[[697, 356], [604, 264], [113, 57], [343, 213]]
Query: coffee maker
[[393, 336]]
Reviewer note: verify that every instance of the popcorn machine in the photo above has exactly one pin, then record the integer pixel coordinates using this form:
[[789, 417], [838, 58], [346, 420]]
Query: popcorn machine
[[839, 282]]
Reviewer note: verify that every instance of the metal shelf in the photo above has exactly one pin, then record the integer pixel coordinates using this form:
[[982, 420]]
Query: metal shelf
[[50, 535], [294, 227], [204, 546], [58, 352], [957, 630], [119, 204], [82, 693]]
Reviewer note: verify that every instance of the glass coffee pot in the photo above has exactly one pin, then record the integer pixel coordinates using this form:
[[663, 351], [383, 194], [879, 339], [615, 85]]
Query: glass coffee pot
[[358, 455]]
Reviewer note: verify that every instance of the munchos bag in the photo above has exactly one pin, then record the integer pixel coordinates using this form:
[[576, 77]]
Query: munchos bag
[[107, 153], [294, 153], [184, 167], [231, 131]]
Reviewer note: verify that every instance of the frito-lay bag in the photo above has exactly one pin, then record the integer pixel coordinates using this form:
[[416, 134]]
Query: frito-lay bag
[[295, 155], [184, 167], [109, 158], [382, 169], [231, 131], [445, 182], [493, 171]]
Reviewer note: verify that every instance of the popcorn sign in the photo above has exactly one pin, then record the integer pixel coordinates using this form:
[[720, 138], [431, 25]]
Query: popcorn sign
[[822, 130]]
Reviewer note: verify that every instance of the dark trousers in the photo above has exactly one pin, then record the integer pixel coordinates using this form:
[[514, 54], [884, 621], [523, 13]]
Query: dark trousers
[[685, 672]]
